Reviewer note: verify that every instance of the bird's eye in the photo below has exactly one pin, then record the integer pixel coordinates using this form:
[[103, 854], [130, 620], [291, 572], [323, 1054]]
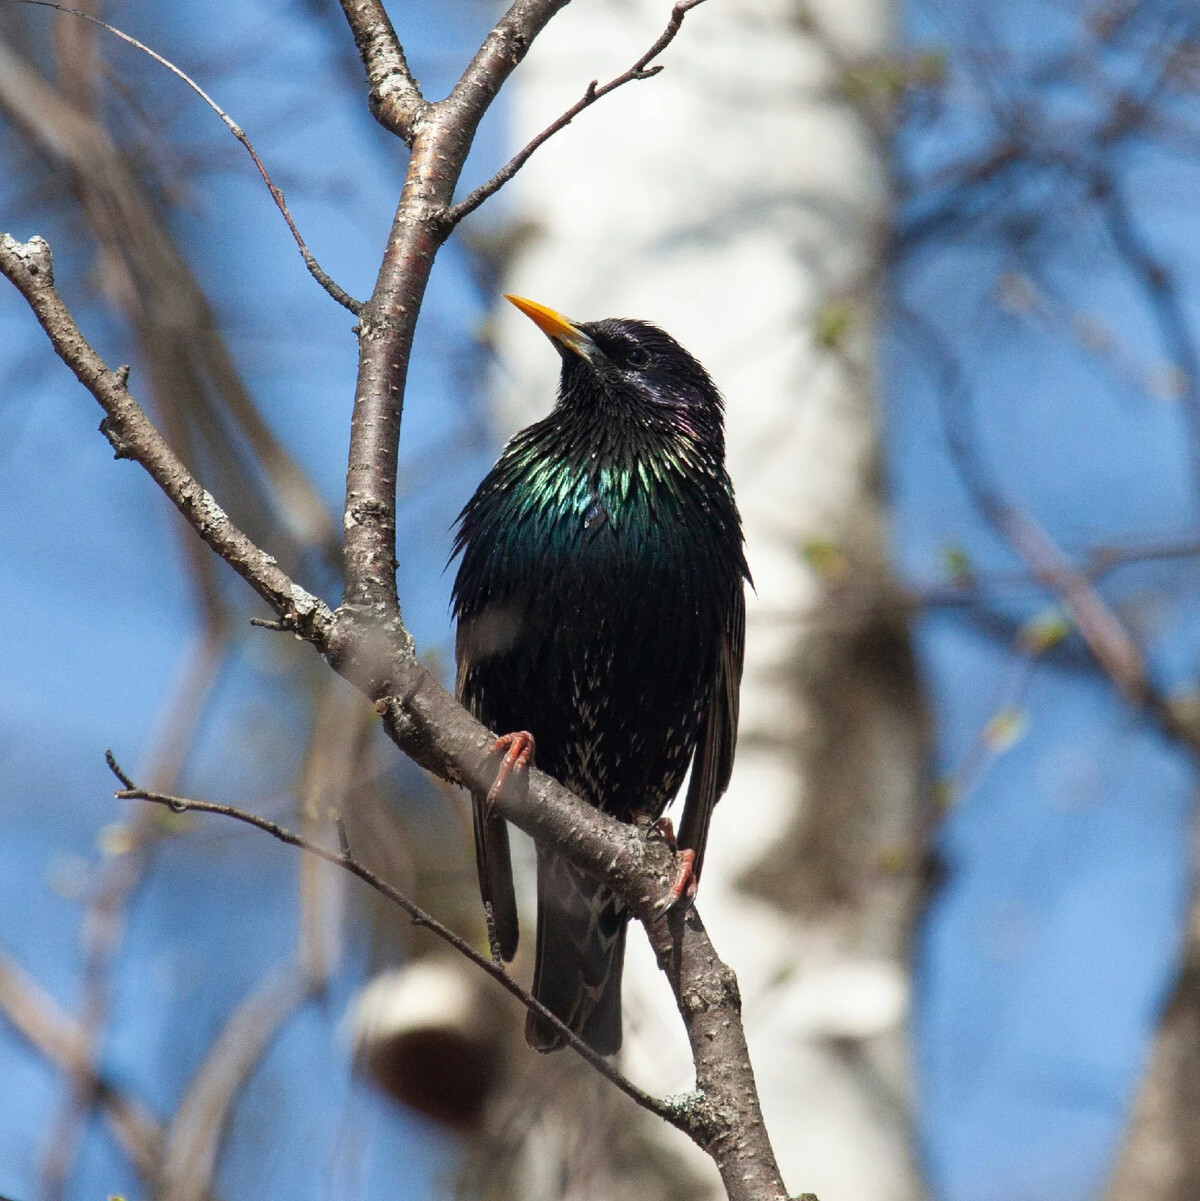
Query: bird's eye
[[638, 358]]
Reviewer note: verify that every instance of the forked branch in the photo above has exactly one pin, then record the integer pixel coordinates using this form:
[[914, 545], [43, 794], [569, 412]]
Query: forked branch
[[593, 92]]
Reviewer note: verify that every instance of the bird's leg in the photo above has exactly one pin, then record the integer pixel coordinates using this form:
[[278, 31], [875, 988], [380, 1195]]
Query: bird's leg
[[685, 880], [518, 749]]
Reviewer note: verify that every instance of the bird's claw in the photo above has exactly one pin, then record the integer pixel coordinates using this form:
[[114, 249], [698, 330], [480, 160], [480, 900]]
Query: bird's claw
[[684, 885], [685, 879], [664, 828], [518, 749]]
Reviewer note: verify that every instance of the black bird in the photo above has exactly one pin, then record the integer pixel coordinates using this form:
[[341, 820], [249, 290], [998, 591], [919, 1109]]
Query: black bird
[[601, 610]]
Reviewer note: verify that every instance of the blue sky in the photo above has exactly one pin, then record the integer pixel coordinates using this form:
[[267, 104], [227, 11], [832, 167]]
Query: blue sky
[[1046, 954], [1050, 945]]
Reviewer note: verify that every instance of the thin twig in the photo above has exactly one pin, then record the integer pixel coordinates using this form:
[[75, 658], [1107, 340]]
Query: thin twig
[[594, 91], [190, 373], [338, 293], [278, 626], [262, 623], [665, 1109]]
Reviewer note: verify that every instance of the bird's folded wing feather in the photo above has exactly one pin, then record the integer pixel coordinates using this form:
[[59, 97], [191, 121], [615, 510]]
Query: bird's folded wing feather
[[493, 859], [713, 763]]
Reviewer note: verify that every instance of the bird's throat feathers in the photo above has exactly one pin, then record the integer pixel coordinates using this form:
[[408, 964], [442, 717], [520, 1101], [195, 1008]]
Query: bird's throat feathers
[[656, 413]]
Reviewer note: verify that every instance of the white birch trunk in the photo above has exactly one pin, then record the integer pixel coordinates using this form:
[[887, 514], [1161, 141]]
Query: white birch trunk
[[735, 200]]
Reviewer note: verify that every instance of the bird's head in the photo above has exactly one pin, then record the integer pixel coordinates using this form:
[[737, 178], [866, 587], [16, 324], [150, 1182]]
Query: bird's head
[[632, 363]]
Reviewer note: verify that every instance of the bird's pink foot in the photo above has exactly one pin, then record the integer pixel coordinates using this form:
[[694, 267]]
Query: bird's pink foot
[[518, 749], [685, 882]]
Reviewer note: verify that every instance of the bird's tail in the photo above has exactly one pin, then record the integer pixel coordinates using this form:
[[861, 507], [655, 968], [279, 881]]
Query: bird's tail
[[580, 954]]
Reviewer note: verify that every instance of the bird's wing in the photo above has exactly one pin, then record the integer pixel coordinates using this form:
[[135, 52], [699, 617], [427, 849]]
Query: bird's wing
[[493, 859], [713, 763]]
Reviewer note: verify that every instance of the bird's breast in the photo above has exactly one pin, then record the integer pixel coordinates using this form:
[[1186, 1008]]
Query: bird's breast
[[594, 599]]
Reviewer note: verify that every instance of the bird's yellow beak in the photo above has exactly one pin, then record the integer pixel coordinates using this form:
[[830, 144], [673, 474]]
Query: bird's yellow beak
[[555, 326]]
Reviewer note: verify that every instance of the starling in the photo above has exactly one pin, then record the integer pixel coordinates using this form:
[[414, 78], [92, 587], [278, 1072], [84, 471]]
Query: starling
[[601, 612]]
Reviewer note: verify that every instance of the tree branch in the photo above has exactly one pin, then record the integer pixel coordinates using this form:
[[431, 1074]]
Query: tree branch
[[722, 1116], [189, 1164], [37, 1017], [1113, 648], [393, 93], [111, 897], [1102, 630], [594, 91], [29, 267], [1165, 303], [429, 725], [440, 137], [189, 366], [344, 859]]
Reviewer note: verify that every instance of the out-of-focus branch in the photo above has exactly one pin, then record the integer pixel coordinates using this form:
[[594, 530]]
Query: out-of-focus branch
[[140, 260], [36, 1016], [1062, 144], [1102, 630], [1162, 294], [1003, 722], [853, 597], [193, 1138], [594, 91], [104, 922], [336, 292], [181, 346], [336, 748], [149, 277], [1108, 640]]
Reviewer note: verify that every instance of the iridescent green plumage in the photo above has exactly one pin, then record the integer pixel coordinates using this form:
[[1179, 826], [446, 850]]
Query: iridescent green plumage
[[600, 607]]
